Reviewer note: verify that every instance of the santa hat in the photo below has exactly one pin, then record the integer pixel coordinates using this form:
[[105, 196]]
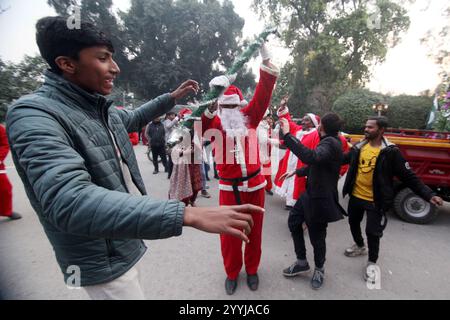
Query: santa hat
[[314, 119], [232, 96]]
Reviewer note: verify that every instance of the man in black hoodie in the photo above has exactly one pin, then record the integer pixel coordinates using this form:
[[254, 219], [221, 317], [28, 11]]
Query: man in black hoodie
[[374, 162], [319, 205]]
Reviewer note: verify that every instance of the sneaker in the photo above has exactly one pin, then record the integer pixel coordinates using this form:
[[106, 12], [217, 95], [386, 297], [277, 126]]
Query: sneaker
[[205, 194], [230, 286], [295, 269], [370, 273], [269, 192], [317, 279], [253, 282], [155, 172], [15, 216], [355, 251]]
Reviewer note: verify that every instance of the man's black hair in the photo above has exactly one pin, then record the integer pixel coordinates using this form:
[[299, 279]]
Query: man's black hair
[[55, 39], [331, 124], [382, 121], [171, 113]]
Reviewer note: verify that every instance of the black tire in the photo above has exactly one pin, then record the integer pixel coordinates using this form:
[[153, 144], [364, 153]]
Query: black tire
[[413, 209]]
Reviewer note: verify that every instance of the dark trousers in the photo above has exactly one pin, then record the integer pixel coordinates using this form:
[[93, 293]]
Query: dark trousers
[[317, 235], [169, 166], [159, 151], [374, 230]]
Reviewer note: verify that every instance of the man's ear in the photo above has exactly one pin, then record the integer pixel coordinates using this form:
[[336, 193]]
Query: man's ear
[[66, 64]]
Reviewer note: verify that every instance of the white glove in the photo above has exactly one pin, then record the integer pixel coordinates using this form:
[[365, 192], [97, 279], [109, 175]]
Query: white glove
[[223, 81], [265, 52]]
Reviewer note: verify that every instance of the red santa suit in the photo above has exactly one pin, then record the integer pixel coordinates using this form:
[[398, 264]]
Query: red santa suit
[[293, 187], [239, 169], [5, 185]]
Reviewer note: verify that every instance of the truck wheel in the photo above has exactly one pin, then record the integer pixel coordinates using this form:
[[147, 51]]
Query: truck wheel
[[413, 209]]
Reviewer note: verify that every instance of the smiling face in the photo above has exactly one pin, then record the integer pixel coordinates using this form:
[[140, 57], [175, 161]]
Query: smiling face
[[307, 123], [94, 71]]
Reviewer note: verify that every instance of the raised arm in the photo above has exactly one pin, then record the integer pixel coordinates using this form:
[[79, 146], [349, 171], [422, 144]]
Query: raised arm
[[134, 120]]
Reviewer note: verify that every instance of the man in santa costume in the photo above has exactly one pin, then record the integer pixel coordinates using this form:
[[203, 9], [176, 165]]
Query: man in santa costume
[[266, 142], [239, 167], [291, 188], [5, 186]]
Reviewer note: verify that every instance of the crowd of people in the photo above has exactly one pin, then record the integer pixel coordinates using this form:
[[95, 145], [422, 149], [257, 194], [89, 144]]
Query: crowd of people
[[73, 152]]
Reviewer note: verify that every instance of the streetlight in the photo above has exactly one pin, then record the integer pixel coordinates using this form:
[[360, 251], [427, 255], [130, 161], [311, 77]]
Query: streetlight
[[380, 107]]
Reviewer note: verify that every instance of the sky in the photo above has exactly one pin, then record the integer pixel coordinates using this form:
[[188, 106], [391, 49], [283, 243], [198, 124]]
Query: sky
[[407, 68]]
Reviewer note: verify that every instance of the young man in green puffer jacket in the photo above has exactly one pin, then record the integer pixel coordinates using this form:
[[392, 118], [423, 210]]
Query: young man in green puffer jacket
[[72, 152]]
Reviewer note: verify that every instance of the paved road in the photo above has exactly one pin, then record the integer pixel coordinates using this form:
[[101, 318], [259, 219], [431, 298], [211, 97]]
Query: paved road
[[415, 260]]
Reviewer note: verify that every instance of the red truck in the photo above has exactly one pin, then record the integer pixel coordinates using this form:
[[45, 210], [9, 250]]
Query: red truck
[[428, 153]]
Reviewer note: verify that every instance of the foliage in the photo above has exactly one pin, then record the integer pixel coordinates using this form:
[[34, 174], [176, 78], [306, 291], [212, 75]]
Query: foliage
[[355, 107], [19, 79], [334, 43]]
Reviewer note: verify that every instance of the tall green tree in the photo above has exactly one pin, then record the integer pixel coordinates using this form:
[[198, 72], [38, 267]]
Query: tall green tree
[[334, 43], [161, 43]]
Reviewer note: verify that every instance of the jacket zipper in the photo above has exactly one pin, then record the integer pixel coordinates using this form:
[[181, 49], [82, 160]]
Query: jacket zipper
[[108, 133]]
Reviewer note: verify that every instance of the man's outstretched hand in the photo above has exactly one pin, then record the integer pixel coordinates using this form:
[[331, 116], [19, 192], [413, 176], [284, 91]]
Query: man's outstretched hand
[[232, 220], [186, 88]]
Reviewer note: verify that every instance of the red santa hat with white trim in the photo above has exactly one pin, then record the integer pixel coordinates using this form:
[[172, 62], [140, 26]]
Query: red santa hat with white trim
[[232, 96], [314, 119]]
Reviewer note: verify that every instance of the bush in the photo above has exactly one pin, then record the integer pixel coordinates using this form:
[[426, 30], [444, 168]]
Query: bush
[[409, 112], [355, 107]]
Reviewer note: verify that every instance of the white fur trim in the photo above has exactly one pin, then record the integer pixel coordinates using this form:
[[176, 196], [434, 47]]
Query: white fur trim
[[285, 112], [271, 70], [224, 187], [232, 99], [210, 115], [2, 171], [243, 103], [313, 118]]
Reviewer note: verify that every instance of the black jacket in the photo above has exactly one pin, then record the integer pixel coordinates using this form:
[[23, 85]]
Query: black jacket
[[390, 163], [321, 199], [157, 134]]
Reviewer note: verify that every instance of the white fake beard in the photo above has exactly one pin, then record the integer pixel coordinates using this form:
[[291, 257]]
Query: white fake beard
[[233, 122]]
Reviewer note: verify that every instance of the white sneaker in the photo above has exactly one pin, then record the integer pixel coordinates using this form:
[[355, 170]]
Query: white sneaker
[[371, 272], [355, 251]]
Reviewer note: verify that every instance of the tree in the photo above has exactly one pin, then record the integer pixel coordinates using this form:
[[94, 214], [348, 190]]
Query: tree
[[438, 43], [161, 43], [355, 107], [334, 44], [19, 79], [414, 111]]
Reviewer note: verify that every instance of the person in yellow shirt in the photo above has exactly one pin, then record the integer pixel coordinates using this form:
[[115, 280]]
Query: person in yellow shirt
[[374, 162]]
